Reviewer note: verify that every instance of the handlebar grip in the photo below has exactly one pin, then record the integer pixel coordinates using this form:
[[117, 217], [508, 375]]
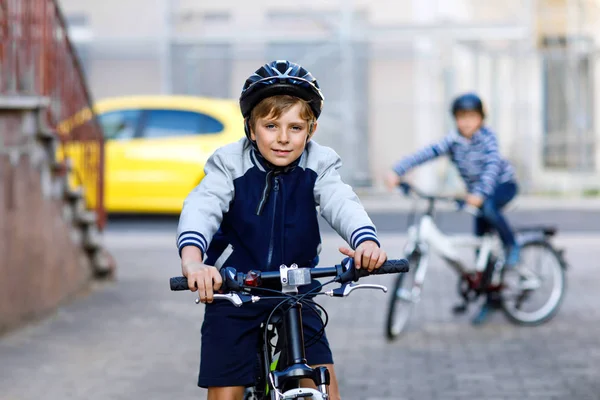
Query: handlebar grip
[[406, 188], [228, 276], [389, 267], [179, 283]]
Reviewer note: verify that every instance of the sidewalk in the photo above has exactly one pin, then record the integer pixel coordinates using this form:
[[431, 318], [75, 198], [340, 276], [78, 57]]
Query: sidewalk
[[377, 200]]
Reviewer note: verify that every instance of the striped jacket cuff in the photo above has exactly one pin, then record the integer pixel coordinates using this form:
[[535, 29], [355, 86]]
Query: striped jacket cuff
[[483, 190], [362, 235], [191, 238]]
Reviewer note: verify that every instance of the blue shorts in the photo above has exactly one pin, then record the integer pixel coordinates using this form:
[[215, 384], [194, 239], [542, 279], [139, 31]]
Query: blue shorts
[[230, 337]]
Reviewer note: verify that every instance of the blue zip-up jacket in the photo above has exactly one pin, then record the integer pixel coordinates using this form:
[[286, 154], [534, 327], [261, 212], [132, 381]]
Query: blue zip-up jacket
[[247, 216], [477, 159]]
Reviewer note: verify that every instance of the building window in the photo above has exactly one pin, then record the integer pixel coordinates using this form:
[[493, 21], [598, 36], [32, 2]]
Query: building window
[[568, 95]]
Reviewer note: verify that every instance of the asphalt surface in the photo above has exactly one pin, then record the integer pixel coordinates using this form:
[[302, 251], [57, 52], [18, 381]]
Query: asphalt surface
[[135, 339]]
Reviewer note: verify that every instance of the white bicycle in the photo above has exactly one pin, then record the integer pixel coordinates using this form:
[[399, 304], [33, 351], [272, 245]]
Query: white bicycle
[[529, 294]]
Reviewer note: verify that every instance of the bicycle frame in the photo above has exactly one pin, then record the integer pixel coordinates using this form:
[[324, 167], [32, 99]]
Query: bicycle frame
[[297, 367], [425, 236], [486, 276]]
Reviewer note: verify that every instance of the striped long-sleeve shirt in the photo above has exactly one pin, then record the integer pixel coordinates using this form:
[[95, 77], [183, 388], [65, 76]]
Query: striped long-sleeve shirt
[[478, 160]]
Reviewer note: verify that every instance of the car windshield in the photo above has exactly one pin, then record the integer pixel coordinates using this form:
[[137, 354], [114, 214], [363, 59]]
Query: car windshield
[[119, 124]]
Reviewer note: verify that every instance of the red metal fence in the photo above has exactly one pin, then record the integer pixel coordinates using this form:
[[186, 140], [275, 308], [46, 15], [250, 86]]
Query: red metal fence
[[37, 58]]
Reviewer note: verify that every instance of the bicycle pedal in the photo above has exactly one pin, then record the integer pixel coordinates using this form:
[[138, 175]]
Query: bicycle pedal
[[459, 309]]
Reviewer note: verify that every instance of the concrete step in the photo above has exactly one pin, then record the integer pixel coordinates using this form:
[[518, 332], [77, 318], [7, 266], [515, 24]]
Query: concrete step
[[103, 263], [60, 168], [86, 218], [92, 238], [74, 194]]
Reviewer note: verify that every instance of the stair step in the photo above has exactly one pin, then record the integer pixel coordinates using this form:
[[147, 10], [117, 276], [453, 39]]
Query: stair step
[[47, 135], [76, 236], [92, 238], [103, 263], [74, 194], [60, 168], [58, 186], [86, 217], [67, 213]]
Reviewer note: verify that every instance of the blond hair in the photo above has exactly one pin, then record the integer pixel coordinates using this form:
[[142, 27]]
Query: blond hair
[[272, 108]]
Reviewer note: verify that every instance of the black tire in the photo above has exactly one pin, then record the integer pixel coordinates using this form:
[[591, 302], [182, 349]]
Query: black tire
[[397, 307], [550, 307]]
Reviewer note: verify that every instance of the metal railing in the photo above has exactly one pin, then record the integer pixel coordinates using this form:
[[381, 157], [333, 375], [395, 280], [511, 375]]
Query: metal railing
[[38, 59]]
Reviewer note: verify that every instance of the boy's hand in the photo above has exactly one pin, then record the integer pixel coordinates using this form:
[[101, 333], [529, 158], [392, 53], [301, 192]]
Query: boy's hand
[[367, 255], [392, 180], [202, 278], [474, 200]]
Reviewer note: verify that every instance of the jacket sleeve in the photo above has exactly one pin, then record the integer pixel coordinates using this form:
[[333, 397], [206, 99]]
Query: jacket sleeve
[[340, 206], [428, 153], [204, 207], [491, 169]]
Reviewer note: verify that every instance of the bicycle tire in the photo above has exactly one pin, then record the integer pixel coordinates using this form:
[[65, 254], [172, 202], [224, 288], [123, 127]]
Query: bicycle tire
[[395, 328], [552, 305]]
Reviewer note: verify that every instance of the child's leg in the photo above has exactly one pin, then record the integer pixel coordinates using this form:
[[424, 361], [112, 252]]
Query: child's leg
[[491, 211], [229, 349], [493, 215], [226, 393], [481, 226]]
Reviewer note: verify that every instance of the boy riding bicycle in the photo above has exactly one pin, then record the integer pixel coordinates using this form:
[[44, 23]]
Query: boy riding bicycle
[[255, 210], [489, 178]]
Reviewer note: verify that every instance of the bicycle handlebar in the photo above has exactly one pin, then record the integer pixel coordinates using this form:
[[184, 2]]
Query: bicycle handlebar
[[459, 201], [407, 188], [344, 272]]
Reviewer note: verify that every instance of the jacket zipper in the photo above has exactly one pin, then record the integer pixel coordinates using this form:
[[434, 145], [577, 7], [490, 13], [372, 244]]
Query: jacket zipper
[[265, 194], [276, 190]]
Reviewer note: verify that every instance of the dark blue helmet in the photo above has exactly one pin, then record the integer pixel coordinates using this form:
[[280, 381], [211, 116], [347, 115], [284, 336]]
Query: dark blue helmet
[[468, 102], [281, 77]]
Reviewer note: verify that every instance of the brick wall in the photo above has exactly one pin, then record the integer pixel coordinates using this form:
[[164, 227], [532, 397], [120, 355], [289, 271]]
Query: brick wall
[[40, 265]]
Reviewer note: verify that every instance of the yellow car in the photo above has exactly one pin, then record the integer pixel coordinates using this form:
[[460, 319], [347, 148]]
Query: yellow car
[[156, 148]]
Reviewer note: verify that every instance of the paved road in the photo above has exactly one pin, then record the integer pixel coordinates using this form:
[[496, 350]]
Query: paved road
[[134, 339]]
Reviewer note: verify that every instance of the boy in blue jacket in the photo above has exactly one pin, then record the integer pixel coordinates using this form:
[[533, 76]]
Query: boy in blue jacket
[[255, 209], [489, 178]]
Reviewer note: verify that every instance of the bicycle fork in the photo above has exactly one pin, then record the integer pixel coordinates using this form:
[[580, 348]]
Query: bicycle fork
[[419, 259]]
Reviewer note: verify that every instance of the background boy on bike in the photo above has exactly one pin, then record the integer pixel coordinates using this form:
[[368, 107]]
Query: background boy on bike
[[489, 178], [255, 209]]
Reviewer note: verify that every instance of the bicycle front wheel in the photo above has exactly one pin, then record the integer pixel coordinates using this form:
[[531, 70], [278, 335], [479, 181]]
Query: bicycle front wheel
[[533, 290], [401, 301]]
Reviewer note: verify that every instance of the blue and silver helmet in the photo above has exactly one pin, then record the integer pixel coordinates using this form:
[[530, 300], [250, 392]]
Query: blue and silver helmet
[[281, 77], [467, 102]]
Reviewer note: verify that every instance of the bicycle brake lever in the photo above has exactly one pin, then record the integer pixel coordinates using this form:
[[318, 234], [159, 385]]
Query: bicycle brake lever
[[234, 298], [348, 288]]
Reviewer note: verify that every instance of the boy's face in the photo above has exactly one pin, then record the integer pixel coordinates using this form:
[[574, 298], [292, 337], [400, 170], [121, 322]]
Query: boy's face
[[282, 140], [468, 122]]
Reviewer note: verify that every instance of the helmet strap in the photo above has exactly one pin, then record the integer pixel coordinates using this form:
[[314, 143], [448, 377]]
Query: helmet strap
[[247, 128]]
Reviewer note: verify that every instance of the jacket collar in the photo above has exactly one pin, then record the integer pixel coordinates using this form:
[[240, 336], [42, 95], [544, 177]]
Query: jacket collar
[[272, 171]]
